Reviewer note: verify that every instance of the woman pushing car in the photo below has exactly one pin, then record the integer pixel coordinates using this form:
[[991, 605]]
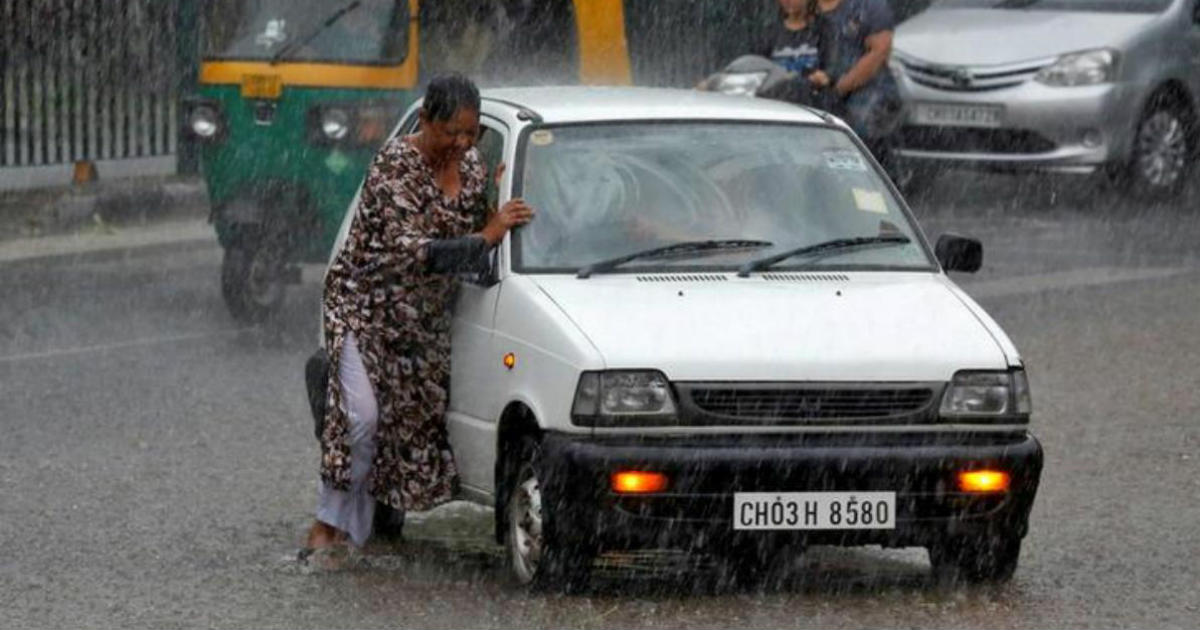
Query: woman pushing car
[[422, 214]]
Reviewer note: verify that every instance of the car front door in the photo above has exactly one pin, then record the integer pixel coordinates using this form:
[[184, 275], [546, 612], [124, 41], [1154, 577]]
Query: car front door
[[474, 370]]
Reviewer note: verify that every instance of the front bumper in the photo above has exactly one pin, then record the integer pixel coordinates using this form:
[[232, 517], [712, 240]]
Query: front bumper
[[696, 510], [1058, 129]]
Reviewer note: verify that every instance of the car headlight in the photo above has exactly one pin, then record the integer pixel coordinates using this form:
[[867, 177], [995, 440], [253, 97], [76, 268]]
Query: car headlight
[[335, 123], [987, 394], [1090, 67], [204, 122], [741, 84], [620, 398]]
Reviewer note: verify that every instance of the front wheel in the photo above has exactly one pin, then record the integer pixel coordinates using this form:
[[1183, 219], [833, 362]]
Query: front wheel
[[537, 556], [252, 279], [1162, 155], [977, 560]]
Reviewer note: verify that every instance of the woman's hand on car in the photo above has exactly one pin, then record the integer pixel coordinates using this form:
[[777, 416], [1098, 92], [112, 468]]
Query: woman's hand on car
[[819, 78], [512, 214]]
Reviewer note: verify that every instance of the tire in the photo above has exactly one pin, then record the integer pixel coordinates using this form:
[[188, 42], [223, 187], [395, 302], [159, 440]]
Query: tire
[[252, 281], [537, 557], [991, 559], [1162, 152]]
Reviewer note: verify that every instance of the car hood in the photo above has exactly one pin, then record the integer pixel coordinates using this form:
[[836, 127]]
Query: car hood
[[858, 327], [1001, 36]]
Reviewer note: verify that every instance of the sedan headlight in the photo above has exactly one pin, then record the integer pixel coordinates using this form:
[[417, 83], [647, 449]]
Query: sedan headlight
[[620, 398], [987, 394], [335, 123], [741, 84], [1090, 67], [204, 122]]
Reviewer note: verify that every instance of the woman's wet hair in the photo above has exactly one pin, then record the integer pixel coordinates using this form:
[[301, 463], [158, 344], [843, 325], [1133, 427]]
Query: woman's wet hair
[[448, 93]]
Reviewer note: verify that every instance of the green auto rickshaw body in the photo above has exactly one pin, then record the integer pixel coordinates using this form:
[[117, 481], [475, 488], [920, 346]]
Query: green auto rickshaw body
[[277, 171]]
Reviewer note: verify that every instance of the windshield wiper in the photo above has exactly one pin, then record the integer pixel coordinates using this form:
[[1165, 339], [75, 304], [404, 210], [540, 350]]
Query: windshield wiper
[[678, 249], [858, 242], [329, 21]]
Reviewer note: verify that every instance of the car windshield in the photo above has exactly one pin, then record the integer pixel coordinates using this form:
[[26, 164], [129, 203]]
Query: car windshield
[[1090, 6], [608, 190], [373, 32]]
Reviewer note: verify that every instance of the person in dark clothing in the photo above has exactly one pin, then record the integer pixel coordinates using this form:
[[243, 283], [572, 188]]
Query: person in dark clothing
[[795, 44], [856, 43]]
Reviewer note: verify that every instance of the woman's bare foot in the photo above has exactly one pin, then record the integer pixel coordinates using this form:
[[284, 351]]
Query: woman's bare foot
[[325, 548], [322, 535]]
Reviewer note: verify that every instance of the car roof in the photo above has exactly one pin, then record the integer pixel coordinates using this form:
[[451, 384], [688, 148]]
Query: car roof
[[597, 104]]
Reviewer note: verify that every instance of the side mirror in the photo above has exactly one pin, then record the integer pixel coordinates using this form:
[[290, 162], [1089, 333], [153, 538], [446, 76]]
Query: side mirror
[[959, 253]]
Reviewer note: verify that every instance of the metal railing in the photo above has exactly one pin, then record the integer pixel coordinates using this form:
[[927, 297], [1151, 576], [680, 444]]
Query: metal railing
[[87, 80]]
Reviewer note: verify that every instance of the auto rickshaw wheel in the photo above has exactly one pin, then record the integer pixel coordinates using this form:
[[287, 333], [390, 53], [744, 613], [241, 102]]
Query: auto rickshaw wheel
[[252, 278]]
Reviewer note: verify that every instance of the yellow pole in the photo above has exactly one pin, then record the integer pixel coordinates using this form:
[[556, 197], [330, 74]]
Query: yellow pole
[[603, 51]]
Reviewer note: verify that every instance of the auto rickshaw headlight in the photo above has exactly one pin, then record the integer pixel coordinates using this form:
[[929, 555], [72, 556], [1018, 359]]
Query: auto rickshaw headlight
[[335, 123], [204, 122]]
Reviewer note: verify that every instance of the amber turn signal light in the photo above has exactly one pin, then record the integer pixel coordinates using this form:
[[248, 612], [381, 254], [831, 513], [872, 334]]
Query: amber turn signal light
[[637, 482], [983, 481]]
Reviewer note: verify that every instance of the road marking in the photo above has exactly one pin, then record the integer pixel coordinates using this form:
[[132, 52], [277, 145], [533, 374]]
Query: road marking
[[120, 345], [1074, 278]]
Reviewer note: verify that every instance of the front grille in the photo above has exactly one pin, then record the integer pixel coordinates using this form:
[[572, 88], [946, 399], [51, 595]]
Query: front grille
[[970, 78], [809, 404], [973, 140]]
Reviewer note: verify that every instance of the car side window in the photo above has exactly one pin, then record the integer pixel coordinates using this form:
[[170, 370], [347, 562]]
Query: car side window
[[491, 149]]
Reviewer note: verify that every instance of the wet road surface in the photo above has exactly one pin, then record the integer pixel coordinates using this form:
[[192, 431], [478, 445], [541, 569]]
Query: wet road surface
[[157, 466]]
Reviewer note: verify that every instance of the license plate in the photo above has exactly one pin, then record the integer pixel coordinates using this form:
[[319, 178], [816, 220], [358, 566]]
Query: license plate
[[814, 510], [261, 86], [945, 114]]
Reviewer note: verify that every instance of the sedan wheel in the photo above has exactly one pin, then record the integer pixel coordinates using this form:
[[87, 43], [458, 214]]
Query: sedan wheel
[[1160, 159]]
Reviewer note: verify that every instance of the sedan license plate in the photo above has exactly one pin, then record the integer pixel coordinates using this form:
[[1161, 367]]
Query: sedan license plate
[[814, 510], [947, 114]]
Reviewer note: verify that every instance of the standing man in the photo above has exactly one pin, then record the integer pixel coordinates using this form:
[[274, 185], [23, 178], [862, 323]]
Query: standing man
[[857, 44]]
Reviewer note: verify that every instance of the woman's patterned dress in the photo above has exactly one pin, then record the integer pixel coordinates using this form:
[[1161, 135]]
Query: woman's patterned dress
[[378, 289]]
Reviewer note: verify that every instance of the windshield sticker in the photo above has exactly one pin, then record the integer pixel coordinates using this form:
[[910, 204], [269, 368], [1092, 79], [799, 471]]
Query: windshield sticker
[[273, 34], [869, 201], [542, 138], [845, 161]]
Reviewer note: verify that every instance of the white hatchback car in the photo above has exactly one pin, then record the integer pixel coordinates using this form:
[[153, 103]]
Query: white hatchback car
[[725, 332]]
